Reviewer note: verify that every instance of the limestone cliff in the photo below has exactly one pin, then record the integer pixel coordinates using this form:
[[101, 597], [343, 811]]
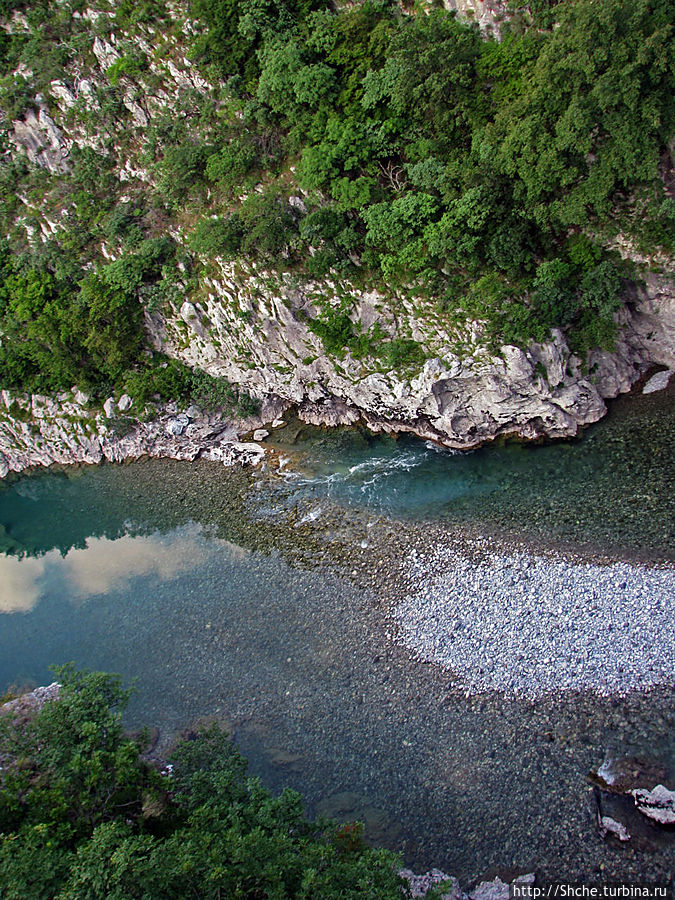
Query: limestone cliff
[[252, 329], [255, 327]]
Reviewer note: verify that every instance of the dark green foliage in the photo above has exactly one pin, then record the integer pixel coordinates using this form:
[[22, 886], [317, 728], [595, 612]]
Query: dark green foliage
[[131, 65], [181, 171], [83, 816], [335, 328], [235, 30], [231, 164], [263, 227], [596, 108], [168, 379], [427, 156], [58, 332], [445, 155]]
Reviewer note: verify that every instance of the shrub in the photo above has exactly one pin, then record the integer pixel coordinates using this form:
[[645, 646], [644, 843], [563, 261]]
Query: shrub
[[84, 816]]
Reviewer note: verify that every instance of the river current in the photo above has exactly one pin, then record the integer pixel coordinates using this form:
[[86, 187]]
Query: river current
[[232, 597]]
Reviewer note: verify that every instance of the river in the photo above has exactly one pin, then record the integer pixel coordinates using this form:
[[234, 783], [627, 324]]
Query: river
[[261, 601]]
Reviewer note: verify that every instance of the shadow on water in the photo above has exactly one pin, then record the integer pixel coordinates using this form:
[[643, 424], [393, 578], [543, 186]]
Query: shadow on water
[[160, 571]]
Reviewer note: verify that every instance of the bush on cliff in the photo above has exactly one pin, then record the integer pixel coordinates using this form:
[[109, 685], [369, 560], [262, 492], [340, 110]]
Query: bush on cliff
[[84, 816]]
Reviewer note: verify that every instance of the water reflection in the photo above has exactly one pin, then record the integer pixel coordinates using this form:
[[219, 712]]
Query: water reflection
[[299, 665], [19, 583], [103, 565]]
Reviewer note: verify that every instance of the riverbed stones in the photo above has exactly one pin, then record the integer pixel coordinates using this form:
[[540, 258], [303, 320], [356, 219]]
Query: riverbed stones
[[528, 625], [349, 806]]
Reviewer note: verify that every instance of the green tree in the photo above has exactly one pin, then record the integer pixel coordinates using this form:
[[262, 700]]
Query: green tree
[[84, 816]]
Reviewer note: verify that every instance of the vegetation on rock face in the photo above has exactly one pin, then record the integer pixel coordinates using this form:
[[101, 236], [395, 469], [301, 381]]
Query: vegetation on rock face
[[390, 145], [84, 815]]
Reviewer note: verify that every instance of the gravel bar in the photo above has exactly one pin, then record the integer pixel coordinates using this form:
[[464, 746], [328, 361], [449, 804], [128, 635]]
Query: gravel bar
[[527, 625]]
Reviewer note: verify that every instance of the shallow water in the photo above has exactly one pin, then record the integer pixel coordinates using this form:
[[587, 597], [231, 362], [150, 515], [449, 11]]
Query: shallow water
[[185, 577], [614, 487]]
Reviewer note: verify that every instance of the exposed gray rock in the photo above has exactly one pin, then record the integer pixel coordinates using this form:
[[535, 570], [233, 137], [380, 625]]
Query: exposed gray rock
[[105, 53], [60, 430], [109, 407], [33, 701], [420, 885], [498, 889], [260, 434], [124, 403], [658, 382], [624, 774], [38, 136], [488, 14], [608, 825], [657, 804], [459, 401], [178, 425]]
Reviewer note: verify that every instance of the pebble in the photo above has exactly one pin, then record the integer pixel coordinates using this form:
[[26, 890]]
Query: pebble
[[570, 626]]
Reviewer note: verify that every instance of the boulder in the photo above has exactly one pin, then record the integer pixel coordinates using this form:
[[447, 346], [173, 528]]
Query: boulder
[[657, 382], [622, 774], [657, 804], [608, 825]]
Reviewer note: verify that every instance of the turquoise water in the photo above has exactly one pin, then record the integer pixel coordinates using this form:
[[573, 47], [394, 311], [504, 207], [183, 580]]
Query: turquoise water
[[612, 488], [190, 579]]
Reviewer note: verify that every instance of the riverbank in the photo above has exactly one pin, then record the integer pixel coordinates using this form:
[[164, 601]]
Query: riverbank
[[39, 431]]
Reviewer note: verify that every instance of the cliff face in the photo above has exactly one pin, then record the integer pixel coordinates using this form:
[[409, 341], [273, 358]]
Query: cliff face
[[255, 327], [66, 429], [251, 329]]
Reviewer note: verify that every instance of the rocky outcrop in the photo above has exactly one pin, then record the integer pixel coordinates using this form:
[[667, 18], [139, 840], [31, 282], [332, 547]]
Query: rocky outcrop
[[32, 701], [488, 14], [43, 431], [252, 329], [657, 804], [634, 788], [420, 885], [42, 141]]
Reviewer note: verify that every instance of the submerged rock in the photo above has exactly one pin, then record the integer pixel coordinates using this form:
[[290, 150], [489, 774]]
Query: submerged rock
[[348, 806], [621, 775]]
